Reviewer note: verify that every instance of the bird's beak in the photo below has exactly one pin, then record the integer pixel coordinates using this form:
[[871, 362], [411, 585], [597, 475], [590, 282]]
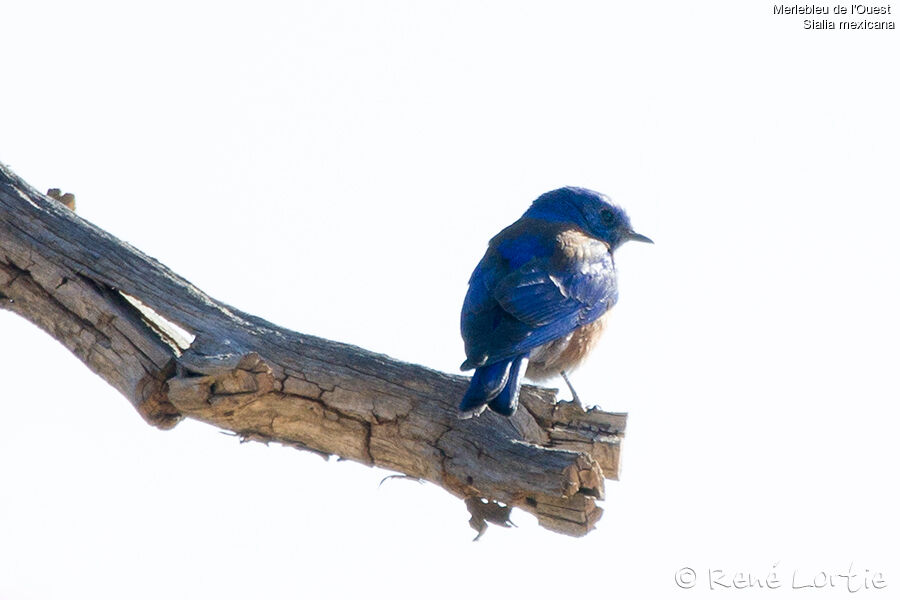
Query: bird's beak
[[634, 236]]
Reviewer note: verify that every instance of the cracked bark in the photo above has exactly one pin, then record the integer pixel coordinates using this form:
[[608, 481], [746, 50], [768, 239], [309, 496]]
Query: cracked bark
[[176, 353]]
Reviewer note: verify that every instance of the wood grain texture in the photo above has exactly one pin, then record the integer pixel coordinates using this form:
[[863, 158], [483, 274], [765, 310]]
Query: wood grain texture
[[115, 308]]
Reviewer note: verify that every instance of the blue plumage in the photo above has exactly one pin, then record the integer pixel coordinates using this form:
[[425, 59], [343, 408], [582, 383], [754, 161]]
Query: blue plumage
[[536, 300]]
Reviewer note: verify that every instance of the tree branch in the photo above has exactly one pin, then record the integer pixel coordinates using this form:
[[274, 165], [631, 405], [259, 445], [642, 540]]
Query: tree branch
[[174, 352]]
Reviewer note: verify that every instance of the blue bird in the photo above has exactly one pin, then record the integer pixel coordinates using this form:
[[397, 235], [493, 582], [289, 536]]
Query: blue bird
[[538, 299]]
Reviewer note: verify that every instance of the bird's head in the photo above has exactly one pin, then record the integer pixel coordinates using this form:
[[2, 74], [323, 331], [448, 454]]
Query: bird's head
[[592, 211]]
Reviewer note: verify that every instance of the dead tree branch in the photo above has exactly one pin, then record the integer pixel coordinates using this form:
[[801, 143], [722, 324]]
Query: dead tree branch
[[174, 352]]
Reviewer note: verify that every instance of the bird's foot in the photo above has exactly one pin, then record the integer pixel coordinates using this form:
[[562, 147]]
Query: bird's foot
[[575, 397]]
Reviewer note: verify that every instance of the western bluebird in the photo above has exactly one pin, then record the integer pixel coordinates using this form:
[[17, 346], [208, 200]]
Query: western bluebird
[[538, 299]]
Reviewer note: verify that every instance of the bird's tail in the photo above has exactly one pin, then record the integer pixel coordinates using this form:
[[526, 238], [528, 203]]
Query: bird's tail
[[495, 386]]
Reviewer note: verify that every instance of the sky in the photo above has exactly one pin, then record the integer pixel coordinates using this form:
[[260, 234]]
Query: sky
[[337, 168]]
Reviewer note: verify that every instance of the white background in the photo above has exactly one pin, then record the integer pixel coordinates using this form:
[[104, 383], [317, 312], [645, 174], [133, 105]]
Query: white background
[[338, 167]]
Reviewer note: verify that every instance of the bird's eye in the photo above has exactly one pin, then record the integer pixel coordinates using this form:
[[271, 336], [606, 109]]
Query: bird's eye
[[607, 217]]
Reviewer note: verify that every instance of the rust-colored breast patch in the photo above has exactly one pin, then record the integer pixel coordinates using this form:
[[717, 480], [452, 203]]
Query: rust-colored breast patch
[[566, 353]]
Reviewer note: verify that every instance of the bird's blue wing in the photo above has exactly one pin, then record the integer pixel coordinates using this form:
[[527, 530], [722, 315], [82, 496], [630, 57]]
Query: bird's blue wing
[[531, 288], [534, 296], [546, 303], [502, 257]]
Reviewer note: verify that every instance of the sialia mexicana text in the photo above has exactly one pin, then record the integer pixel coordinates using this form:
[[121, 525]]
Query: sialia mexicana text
[[538, 299]]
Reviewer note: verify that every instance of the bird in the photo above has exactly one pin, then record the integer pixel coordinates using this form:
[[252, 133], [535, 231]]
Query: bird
[[538, 300]]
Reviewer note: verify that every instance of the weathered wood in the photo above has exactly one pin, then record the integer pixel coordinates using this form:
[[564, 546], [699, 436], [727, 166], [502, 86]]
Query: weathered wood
[[174, 352]]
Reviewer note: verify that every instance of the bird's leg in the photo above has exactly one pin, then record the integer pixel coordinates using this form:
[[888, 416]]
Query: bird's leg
[[575, 397]]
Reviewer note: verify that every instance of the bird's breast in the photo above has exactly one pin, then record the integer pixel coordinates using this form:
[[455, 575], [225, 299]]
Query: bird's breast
[[565, 353]]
